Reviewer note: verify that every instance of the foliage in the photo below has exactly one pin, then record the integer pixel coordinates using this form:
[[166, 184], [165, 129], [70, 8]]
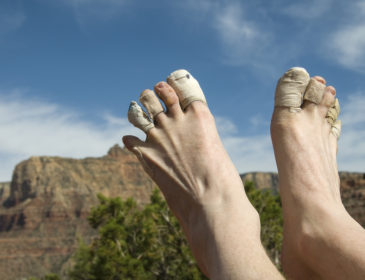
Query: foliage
[[268, 206], [134, 243], [50, 276]]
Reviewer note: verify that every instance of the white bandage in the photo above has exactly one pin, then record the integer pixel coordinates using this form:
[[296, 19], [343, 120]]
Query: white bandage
[[336, 129], [186, 87], [138, 117], [151, 103], [333, 112], [314, 91], [290, 89]]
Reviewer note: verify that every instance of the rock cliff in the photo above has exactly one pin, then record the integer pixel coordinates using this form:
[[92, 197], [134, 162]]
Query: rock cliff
[[43, 210], [352, 189], [4, 191]]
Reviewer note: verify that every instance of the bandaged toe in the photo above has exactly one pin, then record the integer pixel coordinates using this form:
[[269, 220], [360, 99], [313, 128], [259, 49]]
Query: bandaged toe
[[336, 129], [186, 87], [151, 103], [138, 117], [290, 89], [314, 91], [333, 112]]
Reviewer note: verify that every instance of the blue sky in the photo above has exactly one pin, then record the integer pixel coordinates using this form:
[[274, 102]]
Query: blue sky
[[69, 68]]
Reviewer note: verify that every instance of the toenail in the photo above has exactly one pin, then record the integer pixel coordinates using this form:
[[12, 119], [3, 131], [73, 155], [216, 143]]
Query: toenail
[[332, 90], [320, 79], [161, 85]]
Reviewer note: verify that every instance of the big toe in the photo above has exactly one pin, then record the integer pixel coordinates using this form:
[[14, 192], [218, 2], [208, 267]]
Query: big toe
[[186, 87], [290, 89]]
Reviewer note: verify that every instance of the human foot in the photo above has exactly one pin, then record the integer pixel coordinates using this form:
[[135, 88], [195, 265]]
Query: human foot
[[317, 229], [185, 157]]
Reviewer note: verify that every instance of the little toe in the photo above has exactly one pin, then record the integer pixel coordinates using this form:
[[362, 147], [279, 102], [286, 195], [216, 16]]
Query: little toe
[[333, 112], [186, 87], [139, 118], [138, 148], [168, 95]]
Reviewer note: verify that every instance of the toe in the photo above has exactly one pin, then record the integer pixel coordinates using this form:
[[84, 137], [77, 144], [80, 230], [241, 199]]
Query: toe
[[150, 101], [329, 97], [186, 87], [138, 148], [138, 117], [313, 94], [169, 97], [333, 112], [290, 89], [132, 142], [318, 96], [320, 79]]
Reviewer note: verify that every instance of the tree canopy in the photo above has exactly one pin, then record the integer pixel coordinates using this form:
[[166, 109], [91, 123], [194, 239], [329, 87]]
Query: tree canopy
[[136, 242]]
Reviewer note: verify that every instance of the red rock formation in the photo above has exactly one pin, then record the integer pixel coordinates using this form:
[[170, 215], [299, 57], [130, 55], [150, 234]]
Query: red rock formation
[[352, 189], [50, 197], [43, 211]]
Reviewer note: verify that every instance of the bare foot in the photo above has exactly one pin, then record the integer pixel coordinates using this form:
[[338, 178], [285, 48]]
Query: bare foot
[[321, 240], [185, 157]]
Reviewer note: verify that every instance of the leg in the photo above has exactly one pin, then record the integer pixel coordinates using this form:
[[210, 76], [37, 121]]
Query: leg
[[185, 157], [321, 240]]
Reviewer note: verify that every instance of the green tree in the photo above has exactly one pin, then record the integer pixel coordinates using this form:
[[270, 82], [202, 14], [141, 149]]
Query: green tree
[[134, 243], [268, 205], [50, 276]]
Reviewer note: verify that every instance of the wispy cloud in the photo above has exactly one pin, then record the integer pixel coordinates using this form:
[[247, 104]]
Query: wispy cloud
[[244, 39], [248, 153], [352, 145], [30, 127], [346, 45]]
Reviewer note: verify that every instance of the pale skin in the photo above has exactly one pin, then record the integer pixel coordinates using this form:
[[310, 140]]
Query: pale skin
[[321, 240], [185, 157]]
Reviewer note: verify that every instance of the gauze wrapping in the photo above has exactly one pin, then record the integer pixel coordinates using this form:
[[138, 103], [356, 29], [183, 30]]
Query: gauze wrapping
[[290, 89], [314, 91], [333, 112], [138, 117], [186, 87], [149, 100], [336, 129]]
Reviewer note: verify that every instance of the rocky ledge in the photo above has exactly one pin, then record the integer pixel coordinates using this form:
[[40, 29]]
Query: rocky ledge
[[43, 210]]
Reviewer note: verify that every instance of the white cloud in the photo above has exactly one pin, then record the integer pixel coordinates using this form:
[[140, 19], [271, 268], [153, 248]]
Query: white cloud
[[35, 128], [29, 128], [346, 45], [248, 153], [351, 152], [243, 38]]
